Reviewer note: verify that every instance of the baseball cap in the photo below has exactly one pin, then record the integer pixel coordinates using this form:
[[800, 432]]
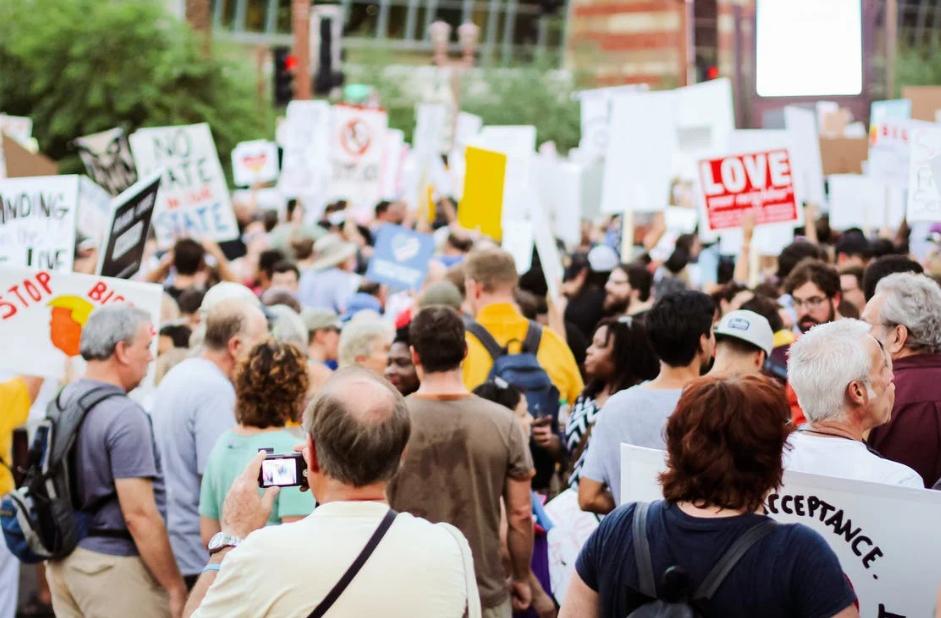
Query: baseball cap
[[602, 259], [317, 319], [747, 326]]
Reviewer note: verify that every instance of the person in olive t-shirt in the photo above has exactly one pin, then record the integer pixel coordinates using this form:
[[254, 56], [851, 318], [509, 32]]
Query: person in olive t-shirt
[[464, 454]]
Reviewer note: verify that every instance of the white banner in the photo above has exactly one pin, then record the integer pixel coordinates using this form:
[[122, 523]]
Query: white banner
[[924, 195], [357, 142], [37, 222], [885, 536], [193, 199], [805, 152], [42, 314], [254, 162]]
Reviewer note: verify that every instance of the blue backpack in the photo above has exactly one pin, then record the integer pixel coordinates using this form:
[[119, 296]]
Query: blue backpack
[[522, 370]]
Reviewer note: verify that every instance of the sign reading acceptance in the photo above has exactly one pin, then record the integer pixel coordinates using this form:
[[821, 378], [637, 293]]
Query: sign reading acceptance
[[737, 184]]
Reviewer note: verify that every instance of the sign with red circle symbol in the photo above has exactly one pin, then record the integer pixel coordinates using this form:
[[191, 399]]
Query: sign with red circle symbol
[[356, 137]]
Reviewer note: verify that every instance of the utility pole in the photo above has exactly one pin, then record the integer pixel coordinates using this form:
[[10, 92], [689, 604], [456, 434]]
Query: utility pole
[[300, 26], [891, 43], [199, 17]]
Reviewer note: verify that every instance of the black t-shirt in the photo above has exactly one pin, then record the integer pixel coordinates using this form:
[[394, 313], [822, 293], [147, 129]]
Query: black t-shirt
[[791, 572], [586, 309]]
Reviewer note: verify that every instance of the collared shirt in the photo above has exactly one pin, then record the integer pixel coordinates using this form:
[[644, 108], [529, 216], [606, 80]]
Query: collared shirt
[[913, 435], [505, 323]]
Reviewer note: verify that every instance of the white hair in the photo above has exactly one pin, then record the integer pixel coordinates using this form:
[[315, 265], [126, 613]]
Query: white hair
[[107, 327], [357, 337], [824, 361], [914, 301], [288, 327]]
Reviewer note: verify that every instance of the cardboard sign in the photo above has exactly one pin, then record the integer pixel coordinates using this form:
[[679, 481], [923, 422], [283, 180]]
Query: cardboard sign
[[890, 561], [638, 162], [736, 184], [107, 158], [193, 199], [18, 162], [128, 225], [254, 162], [37, 222], [843, 155], [356, 148], [42, 313], [926, 100], [401, 257], [481, 208], [924, 199]]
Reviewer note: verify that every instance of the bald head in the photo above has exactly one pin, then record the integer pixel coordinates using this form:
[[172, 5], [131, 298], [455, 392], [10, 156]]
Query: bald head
[[360, 425]]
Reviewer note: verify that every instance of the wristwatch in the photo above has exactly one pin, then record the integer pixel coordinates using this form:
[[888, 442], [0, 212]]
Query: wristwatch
[[221, 540]]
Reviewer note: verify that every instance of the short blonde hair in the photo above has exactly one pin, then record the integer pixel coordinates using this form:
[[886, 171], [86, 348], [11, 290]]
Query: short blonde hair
[[492, 268]]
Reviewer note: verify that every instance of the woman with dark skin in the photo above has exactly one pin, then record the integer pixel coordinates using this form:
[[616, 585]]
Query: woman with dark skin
[[400, 371]]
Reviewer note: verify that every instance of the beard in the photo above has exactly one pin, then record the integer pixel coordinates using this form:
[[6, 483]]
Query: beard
[[615, 306], [807, 322]]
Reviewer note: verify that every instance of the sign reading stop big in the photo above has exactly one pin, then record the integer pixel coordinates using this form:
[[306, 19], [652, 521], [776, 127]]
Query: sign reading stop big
[[736, 184]]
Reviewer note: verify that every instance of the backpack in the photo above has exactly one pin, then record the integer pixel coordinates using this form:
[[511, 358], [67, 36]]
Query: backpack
[[40, 520], [676, 600], [522, 370]]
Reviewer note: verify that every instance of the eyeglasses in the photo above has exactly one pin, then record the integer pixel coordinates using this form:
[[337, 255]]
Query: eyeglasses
[[811, 303]]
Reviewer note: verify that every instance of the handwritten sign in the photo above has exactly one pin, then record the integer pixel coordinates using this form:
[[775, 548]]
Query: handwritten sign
[[736, 184], [356, 152], [401, 257], [193, 199], [924, 198], [107, 158], [254, 162], [129, 223], [891, 563], [37, 221], [42, 314]]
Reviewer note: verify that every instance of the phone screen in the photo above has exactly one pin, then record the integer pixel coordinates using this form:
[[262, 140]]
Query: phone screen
[[280, 471]]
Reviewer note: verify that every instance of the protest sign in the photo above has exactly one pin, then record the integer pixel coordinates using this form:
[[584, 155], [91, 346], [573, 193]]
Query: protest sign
[[856, 201], [924, 199], [18, 162], [254, 163], [926, 100], [94, 209], [394, 155], [558, 185], [357, 141], [638, 161], [736, 184], [430, 130], [882, 111], [193, 199], [892, 567], [481, 208], [595, 112], [401, 257], [843, 155], [705, 117], [518, 143], [805, 150], [890, 149], [550, 259], [37, 222], [42, 313], [518, 242], [305, 137], [107, 158], [128, 224], [19, 128]]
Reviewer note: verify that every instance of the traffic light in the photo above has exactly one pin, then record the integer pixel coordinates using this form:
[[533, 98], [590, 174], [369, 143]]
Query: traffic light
[[284, 66], [326, 44]]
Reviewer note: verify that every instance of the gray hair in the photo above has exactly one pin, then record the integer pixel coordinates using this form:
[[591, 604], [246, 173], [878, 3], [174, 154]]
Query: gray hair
[[914, 301], [288, 327], [357, 337], [824, 361], [360, 426], [108, 326], [226, 319]]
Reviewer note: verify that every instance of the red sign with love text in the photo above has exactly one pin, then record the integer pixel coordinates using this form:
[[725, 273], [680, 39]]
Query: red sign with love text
[[737, 184]]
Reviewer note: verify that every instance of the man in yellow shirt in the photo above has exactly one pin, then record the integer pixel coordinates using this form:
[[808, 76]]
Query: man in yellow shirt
[[16, 397]]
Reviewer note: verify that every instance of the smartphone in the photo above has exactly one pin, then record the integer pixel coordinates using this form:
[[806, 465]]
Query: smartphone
[[284, 470]]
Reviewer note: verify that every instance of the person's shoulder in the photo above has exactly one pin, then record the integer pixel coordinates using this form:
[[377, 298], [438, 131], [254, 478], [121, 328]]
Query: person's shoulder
[[898, 473], [442, 539], [624, 399]]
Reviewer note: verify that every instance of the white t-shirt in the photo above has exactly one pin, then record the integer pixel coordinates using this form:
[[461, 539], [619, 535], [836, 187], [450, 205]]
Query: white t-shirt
[[419, 569], [845, 458]]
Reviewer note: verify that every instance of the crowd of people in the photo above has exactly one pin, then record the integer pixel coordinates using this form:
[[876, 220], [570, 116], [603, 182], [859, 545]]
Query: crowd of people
[[436, 424]]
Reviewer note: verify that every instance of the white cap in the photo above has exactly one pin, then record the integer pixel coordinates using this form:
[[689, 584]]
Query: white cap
[[602, 259], [749, 327]]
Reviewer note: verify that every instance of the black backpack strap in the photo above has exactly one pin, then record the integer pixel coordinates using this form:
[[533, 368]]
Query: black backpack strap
[[490, 344], [642, 551], [533, 338], [351, 572], [731, 557]]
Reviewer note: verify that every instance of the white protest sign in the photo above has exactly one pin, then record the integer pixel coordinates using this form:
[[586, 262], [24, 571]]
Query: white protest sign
[[19, 128], [518, 143], [704, 120], [193, 199], [558, 184], [890, 149], [638, 160], [856, 201], [595, 112], [518, 241], [805, 151], [305, 137], [107, 158], [468, 126], [94, 208], [42, 314], [924, 198], [357, 141], [891, 562], [37, 222], [394, 155], [430, 130], [254, 162], [549, 257]]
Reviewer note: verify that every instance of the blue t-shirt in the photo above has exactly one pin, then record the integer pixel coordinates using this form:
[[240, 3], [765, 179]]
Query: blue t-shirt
[[792, 572]]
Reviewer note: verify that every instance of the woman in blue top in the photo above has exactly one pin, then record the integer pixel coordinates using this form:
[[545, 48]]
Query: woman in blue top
[[724, 446], [270, 387]]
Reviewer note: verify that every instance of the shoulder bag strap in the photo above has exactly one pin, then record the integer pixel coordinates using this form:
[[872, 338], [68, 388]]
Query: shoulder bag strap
[[731, 557], [493, 348], [533, 338], [351, 572], [642, 551]]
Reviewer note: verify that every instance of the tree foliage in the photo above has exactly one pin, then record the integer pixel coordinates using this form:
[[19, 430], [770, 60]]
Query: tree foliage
[[80, 66]]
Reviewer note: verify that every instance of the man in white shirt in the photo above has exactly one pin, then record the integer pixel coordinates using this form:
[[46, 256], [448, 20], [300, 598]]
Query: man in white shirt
[[357, 429], [843, 380]]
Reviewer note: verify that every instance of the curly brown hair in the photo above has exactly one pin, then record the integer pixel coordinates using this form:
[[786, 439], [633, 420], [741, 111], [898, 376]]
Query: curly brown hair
[[725, 441], [270, 385]]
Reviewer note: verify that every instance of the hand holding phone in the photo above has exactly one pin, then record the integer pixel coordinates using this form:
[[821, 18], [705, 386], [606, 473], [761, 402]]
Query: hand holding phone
[[283, 470]]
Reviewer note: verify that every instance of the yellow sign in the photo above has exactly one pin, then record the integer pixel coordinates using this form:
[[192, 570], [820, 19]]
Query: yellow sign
[[482, 205]]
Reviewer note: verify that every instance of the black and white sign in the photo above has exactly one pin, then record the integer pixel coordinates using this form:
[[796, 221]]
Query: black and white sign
[[127, 229]]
